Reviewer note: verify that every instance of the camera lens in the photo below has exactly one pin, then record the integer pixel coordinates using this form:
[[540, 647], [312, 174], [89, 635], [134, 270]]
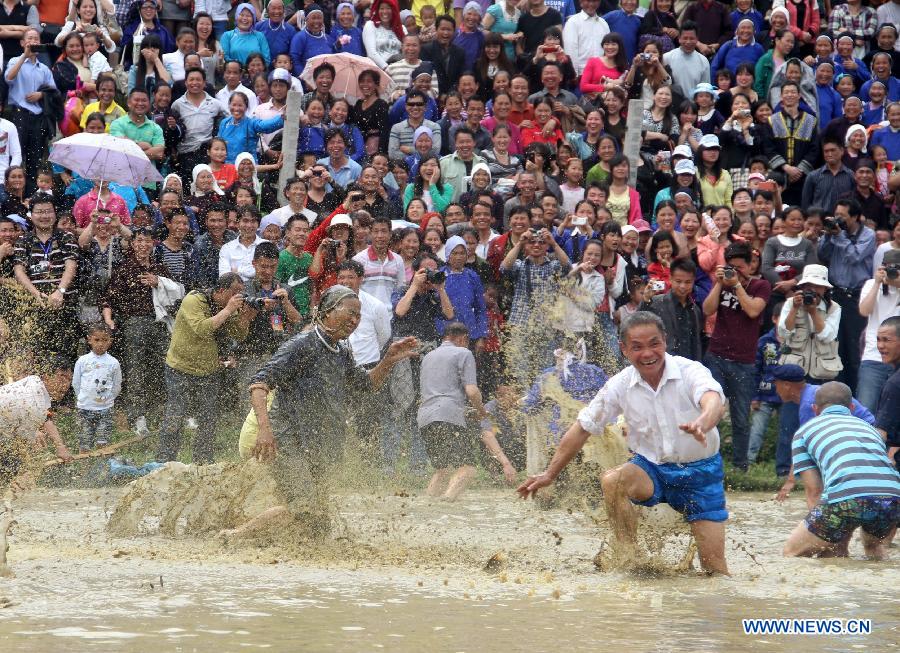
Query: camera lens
[[892, 272]]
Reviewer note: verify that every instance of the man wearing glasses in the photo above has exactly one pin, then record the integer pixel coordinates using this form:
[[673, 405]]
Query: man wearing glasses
[[401, 142]]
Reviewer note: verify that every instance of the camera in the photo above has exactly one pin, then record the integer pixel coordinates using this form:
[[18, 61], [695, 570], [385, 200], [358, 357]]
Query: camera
[[892, 272], [833, 224], [41, 47], [579, 222], [536, 234], [645, 56], [729, 272], [357, 197], [809, 297], [256, 303], [316, 173], [435, 276]]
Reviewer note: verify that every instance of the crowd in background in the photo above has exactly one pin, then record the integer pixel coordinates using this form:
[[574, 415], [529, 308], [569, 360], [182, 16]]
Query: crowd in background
[[486, 183]]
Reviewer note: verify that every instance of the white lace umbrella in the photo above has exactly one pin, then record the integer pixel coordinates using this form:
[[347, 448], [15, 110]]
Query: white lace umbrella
[[346, 80], [105, 158]]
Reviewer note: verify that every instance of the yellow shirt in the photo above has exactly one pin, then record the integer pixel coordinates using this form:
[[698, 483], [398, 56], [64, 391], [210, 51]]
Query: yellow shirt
[[250, 430], [718, 194], [112, 112]]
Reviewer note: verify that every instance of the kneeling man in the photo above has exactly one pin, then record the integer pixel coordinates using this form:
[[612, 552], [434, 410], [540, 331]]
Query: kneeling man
[[850, 481], [671, 407]]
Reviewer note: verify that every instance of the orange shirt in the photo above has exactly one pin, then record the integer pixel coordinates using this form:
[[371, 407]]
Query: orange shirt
[[226, 176], [516, 116], [53, 12]]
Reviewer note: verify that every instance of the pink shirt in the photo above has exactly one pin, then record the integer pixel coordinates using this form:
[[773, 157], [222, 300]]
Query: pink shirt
[[594, 72], [86, 204], [515, 134]]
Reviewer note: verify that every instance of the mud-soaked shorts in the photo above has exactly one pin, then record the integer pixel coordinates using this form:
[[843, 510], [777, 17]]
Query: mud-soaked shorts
[[833, 522], [10, 459], [694, 489], [448, 445]]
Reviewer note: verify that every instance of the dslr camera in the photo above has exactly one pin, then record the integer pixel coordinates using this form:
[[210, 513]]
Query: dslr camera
[[436, 277], [892, 272], [833, 224], [729, 272], [536, 234], [809, 297]]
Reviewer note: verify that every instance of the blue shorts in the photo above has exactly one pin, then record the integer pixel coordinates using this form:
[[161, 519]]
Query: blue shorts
[[696, 489]]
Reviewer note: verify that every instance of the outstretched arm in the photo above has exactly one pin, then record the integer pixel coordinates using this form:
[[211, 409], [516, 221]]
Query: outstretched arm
[[569, 446]]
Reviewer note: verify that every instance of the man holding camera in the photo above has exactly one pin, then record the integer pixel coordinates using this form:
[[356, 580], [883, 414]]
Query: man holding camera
[[738, 302], [847, 247], [879, 300], [26, 77]]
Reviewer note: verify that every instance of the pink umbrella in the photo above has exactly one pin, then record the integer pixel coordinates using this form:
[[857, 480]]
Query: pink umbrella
[[347, 69]]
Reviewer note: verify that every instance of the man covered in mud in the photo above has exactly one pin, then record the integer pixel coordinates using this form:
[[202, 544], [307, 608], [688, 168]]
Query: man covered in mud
[[671, 407], [313, 375], [850, 482]]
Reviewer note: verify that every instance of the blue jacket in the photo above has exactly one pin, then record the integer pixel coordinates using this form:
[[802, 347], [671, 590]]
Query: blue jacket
[[860, 75], [241, 137], [809, 398], [398, 111], [731, 55], [873, 116], [582, 382], [355, 46], [237, 46], [830, 104], [889, 140], [305, 46], [766, 359], [467, 296], [279, 38], [570, 243], [168, 43], [627, 27]]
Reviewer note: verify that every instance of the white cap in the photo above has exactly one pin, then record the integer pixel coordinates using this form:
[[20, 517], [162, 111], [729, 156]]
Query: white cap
[[341, 218], [685, 167], [816, 275], [683, 150], [709, 141]]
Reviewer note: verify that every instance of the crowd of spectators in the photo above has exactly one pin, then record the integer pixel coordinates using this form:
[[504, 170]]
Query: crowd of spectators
[[488, 184]]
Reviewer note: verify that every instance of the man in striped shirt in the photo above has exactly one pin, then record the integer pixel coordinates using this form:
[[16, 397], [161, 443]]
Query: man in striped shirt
[[849, 479]]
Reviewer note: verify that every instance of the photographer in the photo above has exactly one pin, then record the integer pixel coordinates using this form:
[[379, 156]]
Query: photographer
[[738, 302], [847, 248], [330, 251], [273, 313], [878, 301]]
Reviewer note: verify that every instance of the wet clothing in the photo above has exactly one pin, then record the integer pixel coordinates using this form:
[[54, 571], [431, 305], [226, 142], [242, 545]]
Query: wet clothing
[[833, 522], [449, 445], [694, 489]]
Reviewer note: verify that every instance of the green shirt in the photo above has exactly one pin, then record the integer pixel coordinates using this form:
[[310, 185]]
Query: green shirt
[[292, 269], [193, 349], [147, 132]]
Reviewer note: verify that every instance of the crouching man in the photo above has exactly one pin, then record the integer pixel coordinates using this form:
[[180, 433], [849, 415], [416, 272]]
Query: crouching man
[[849, 479], [671, 407]]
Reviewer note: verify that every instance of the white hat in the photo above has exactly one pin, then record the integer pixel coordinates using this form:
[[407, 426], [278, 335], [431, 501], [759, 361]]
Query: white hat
[[685, 167], [683, 150], [816, 275], [341, 218], [452, 243], [710, 141], [280, 75]]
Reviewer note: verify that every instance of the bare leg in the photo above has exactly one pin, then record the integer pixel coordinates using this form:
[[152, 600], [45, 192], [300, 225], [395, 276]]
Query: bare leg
[[710, 538], [437, 482], [802, 543], [877, 548], [6, 522], [459, 482], [620, 486], [263, 520]]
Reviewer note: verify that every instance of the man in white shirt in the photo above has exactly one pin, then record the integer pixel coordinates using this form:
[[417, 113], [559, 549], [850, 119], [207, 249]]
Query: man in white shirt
[[10, 149], [400, 70], [233, 84], [374, 330], [237, 255], [889, 13], [688, 66], [583, 33], [295, 192], [383, 269], [676, 444]]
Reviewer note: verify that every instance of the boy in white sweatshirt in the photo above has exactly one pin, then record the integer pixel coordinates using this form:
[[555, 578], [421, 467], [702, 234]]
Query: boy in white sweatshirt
[[97, 380]]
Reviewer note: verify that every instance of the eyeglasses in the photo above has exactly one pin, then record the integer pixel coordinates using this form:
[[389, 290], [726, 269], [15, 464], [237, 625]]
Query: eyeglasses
[[415, 104]]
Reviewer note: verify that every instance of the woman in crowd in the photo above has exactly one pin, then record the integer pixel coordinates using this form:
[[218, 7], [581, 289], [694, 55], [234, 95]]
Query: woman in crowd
[[70, 71], [647, 74], [383, 34], [244, 39], [208, 46], [605, 70], [428, 186], [623, 202], [659, 125], [149, 70]]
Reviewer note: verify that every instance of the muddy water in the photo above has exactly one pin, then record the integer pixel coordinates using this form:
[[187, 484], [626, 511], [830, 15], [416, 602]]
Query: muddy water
[[404, 573]]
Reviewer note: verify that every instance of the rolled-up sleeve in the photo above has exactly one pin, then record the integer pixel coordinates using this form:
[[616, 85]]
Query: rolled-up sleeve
[[604, 408]]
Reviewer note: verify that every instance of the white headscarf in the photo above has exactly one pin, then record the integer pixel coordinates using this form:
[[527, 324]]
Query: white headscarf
[[202, 167], [257, 185]]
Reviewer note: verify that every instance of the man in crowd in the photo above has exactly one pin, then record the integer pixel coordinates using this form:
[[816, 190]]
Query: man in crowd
[[446, 57], [738, 302], [401, 142], [457, 166], [849, 480], [447, 380], [474, 116], [847, 247], [276, 29], [583, 33], [237, 255], [193, 369], [681, 316], [689, 67], [135, 126], [26, 76], [676, 446], [794, 146], [887, 421], [208, 246], [825, 185], [200, 113], [294, 263], [400, 70], [384, 271]]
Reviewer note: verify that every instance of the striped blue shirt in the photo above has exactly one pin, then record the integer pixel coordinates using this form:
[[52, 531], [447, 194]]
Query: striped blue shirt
[[849, 454]]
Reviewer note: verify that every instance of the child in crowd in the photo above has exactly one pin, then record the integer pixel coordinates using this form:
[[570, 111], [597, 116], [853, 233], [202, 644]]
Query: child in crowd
[[96, 61], [637, 288], [97, 380], [766, 401], [428, 18]]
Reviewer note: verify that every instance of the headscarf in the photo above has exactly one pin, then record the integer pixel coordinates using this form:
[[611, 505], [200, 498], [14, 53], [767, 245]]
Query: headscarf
[[248, 7], [452, 243], [852, 130], [473, 6], [341, 6], [173, 175], [395, 25], [752, 33], [420, 130], [267, 221], [330, 300], [783, 11], [201, 167], [257, 185], [424, 68]]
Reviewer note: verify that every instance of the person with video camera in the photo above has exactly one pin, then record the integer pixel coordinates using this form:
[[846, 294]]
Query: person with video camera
[[847, 247], [879, 300], [738, 301]]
